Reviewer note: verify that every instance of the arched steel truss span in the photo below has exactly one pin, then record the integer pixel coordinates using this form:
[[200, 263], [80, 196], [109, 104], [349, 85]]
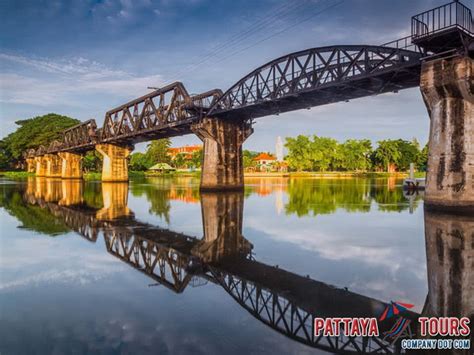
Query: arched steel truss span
[[319, 76]]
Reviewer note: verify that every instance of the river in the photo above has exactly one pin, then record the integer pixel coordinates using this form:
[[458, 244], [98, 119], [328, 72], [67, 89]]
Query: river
[[153, 266]]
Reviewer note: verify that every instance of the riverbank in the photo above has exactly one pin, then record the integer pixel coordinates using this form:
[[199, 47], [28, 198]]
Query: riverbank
[[329, 174], [334, 174]]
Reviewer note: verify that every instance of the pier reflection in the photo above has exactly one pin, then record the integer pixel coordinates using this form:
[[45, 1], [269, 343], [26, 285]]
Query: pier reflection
[[450, 258]]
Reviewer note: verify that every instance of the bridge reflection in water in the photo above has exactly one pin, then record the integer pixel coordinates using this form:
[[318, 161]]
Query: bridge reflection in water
[[280, 299]]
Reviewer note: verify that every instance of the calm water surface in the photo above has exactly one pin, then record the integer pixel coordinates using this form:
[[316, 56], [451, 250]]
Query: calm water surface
[[154, 267]]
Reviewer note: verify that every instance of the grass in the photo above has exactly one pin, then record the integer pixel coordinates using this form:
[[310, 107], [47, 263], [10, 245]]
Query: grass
[[16, 174]]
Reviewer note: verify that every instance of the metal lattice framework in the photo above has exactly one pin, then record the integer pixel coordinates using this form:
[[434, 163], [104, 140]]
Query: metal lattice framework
[[288, 318], [163, 264], [160, 113], [319, 76], [82, 136], [165, 112]]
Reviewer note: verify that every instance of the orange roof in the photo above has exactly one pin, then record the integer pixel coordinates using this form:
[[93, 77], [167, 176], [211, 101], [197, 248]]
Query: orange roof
[[264, 156], [185, 149]]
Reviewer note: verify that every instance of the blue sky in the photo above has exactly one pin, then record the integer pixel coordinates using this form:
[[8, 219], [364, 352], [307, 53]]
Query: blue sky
[[82, 58]]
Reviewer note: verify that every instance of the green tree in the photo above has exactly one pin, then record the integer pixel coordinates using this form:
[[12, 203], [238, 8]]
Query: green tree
[[179, 161], [422, 158], [32, 133], [247, 157], [139, 162], [387, 153], [355, 155], [409, 152], [299, 156], [92, 161], [157, 151], [196, 159], [324, 153]]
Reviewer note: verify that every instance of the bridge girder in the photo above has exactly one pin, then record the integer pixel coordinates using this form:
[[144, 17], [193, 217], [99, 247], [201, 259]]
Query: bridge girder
[[319, 76]]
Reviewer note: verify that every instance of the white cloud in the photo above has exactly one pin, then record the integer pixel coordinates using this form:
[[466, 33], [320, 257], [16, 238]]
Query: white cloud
[[67, 79]]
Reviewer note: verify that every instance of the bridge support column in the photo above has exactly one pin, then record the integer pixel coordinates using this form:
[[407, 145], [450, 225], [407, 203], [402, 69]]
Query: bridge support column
[[71, 165], [115, 164], [448, 92], [222, 167], [30, 165], [41, 165], [53, 165]]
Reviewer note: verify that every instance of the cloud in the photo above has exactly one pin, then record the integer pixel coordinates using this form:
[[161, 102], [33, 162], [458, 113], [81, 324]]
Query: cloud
[[67, 81]]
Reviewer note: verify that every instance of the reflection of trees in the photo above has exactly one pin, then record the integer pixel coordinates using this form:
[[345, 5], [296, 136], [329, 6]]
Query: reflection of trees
[[390, 200], [157, 194], [92, 195], [161, 189], [325, 196], [32, 217]]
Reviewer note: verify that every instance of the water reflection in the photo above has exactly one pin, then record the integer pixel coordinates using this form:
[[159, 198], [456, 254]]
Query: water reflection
[[306, 196], [280, 299], [450, 258]]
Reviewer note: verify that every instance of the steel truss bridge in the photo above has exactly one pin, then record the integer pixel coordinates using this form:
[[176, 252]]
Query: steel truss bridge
[[281, 300], [304, 79]]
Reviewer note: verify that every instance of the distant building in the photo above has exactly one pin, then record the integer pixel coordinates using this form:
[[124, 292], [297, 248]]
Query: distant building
[[279, 149], [264, 162], [186, 150]]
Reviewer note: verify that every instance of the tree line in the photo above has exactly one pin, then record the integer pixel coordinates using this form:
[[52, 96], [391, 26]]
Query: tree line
[[314, 153], [305, 153]]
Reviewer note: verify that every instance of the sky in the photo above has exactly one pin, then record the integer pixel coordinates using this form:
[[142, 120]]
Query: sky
[[82, 58]]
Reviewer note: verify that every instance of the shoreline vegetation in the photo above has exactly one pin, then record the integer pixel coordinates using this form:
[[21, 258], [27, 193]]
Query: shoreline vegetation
[[307, 155], [95, 176]]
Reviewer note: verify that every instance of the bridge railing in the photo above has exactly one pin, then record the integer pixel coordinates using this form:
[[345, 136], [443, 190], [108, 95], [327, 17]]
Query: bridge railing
[[452, 15], [404, 43]]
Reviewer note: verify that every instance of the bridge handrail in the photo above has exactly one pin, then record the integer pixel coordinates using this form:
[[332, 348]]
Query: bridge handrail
[[452, 15], [403, 43]]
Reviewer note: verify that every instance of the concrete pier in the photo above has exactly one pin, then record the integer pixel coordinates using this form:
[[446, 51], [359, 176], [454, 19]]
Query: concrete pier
[[41, 166], [53, 165], [30, 165], [222, 167], [115, 163], [448, 91], [71, 165]]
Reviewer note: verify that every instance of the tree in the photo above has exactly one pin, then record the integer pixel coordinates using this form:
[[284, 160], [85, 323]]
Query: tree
[[92, 161], [196, 158], [324, 153], [139, 162], [179, 161], [32, 133], [355, 155], [386, 154], [247, 158], [409, 152], [422, 158], [299, 153], [157, 151]]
